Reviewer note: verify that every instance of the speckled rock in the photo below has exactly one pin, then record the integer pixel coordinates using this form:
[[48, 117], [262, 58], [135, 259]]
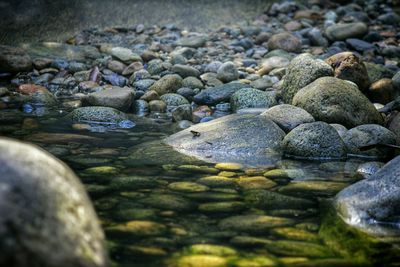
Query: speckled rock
[[333, 100], [303, 70], [252, 98], [285, 41], [118, 98], [340, 32], [40, 225], [215, 95], [167, 84], [174, 100], [287, 116], [227, 72], [314, 140], [348, 66], [97, 114], [369, 134]]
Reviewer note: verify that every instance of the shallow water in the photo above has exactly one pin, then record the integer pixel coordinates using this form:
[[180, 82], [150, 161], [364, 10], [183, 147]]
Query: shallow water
[[157, 212]]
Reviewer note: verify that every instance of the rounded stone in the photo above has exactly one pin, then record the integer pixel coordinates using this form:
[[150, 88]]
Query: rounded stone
[[229, 166], [167, 84], [157, 106], [257, 224], [97, 114], [188, 187], [14, 59], [316, 140], [47, 218], [341, 32], [174, 100], [333, 100], [382, 91], [252, 98], [227, 72], [185, 71], [118, 98], [285, 41]]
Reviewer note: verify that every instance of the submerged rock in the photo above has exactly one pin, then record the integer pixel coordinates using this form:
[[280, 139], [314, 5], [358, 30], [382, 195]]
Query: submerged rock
[[97, 114], [118, 98], [47, 218]]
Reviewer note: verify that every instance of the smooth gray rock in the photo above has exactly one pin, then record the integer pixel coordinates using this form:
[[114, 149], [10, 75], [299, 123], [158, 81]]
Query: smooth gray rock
[[227, 72], [185, 71], [234, 138], [340, 32], [315, 140], [288, 117], [373, 204], [118, 98], [252, 98], [215, 95], [303, 70], [334, 100], [46, 216]]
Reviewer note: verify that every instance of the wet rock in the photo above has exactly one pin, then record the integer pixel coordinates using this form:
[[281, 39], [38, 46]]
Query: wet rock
[[243, 135], [118, 98], [157, 106], [182, 112], [125, 54], [313, 188], [336, 101], [360, 45], [227, 72], [377, 72], [340, 129], [382, 91], [168, 202], [255, 182], [340, 32], [215, 95], [116, 66], [372, 201], [210, 249], [136, 228], [252, 98], [185, 71], [285, 41], [174, 100], [303, 70], [396, 80], [287, 116], [192, 82], [314, 140], [127, 183], [366, 170], [257, 224], [193, 41], [272, 63], [229, 166], [201, 260], [14, 60], [348, 66], [167, 84], [369, 134], [97, 114], [222, 207], [217, 181], [39, 205], [188, 187]]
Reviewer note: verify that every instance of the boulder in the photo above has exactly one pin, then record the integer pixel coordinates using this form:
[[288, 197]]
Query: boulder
[[252, 98], [47, 218], [118, 98], [315, 140], [233, 138], [333, 100], [215, 95], [303, 70]]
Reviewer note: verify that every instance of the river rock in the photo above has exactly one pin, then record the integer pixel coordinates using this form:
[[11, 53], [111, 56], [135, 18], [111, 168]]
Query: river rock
[[369, 134], [348, 66], [285, 41], [14, 59], [314, 140], [97, 114], [227, 72], [303, 70], [40, 225], [257, 224], [118, 98], [396, 80], [287, 116], [215, 95], [375, 200], [245, 138], [167, 84], [382, 91], [185, 71], [377, 72], [125, 54], [334, 100], [340, 32], [252, 98], [174, 100]]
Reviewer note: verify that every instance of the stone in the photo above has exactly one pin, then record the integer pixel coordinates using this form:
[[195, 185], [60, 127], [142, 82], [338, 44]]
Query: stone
[[341, 32], [285, 41], [116, 66], [396, 80], [227, 72], [348, 66], [316, 140], [174, 100], [229, 166], [377, 72], [287, 116], [168, 202], [382, 91], [271, 63], [360, 45], [222, 207], [217, 181], [187, 187], [210, 249], [157, 106], [215, 95], [14, 60], [167, 84], [369, 134], [252, 98], [333, 100], [193, 41], [366, 170], [244, 139], [125, 54], [303, 70], [97, 114], [257, 224], [192, 82], [374, 202], [118, 98], [39, 207], [201, 261], [185, 71], [313, 188], [136, 228], [255, 182]]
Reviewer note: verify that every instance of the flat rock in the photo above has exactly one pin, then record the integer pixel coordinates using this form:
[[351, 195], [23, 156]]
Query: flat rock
[[340, 32], [118, 98]]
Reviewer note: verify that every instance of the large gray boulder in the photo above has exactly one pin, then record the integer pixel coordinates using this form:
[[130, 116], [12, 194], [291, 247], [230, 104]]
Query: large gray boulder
[[235, 138], [372, 203], [334, 100], [46, 217], [303, 70], [215, 95]]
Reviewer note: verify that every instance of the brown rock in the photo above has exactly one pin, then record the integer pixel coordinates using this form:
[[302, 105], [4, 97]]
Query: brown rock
[[307, 14], [285, 41], [27, 89], [201, 112], [135, 66], [116, 66], [150, 95], [157, 106], [382, 91], [292, 26], [348, 66]]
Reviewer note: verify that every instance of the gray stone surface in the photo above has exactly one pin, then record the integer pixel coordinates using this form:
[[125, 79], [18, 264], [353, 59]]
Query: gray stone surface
[[118, 98], [252, 98], [215, 95], [340, 32], [97, 114]]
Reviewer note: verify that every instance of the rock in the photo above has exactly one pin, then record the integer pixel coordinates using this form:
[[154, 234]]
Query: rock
[[39, 207], [348, 66], [187, 187], [333, 100], [314, 140], [369, 134], [136, 229], [316, 38], [341, 32], [244, 139], [227, 72], [303, 70], [201, 261], [360, 45], [182, 113], [340, 129], [269, 200], [185, 71], [125, 54], [382, 91], [255, 183], [167, 84], [97, 114], [222, 207], [193, 42], [215, 95], [14, 60], [287, 116], [285, 41], [252, 98], [168, 202], [377, 72], [157, 106], [374, 202], [229, 166], [272, 63], [174, 100], [210, 249], [366, 170], [192, 82], [396, 80], [150, 95], [118, 98], [116, 66], [257, 224]]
